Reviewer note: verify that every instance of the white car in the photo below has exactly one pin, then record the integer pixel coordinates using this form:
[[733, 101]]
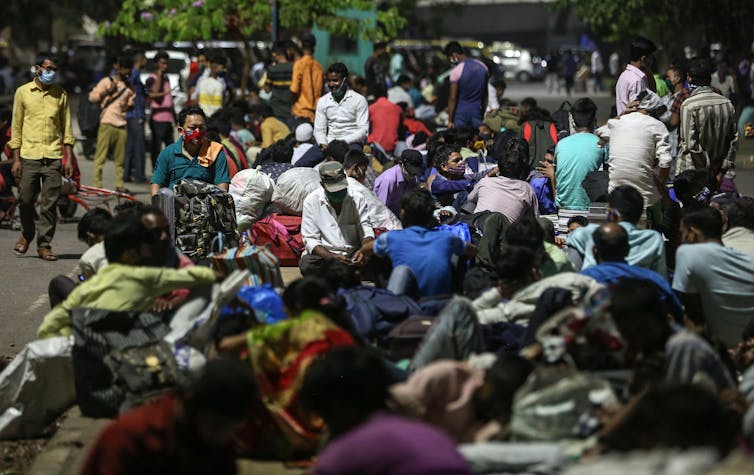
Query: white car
[[178, 74], [515, 61]]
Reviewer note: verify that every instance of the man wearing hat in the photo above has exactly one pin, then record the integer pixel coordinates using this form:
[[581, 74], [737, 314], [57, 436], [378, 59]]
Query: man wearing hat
[[395, 182], [334, 222], [305, 154]]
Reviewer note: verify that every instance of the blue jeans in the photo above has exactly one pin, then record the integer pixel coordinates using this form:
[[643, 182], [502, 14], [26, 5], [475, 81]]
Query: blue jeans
[[403, 282], [134, 165]]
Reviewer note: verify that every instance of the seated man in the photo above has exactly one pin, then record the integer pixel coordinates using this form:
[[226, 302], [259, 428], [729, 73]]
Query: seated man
[[189, 432], [508, 193], [625, 207], [421, 256], [739, 233], [137, 245], [348, 388], [716, 283], [356, 165], [610, 250], [271, 128], [641, 316], [192, 155], [91, 230], [334, 222], [393, 184], [305, 153], [342, 114]]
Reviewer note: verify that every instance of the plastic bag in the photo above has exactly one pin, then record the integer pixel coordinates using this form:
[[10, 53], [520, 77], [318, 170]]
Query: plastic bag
[[267, 304], [252, 192], [293, 187], [36, 387]]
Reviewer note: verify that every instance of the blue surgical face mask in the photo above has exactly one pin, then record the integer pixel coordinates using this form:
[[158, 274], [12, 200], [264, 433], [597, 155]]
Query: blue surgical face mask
[[47, 77]]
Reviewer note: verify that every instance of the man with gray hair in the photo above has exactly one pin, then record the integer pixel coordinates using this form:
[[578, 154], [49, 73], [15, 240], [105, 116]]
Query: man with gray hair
[[639, 142]]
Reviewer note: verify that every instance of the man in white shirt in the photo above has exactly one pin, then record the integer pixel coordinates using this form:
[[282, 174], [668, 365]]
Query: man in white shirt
[[739, 233], [399, 92], [334, 222], [639, 143], [210, 89], [342, 114], [638, 73], [715, 283]]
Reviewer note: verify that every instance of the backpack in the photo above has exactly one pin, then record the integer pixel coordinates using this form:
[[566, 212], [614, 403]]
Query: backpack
[[502, 119], [563, 120], [541, 186], [475, 222], [88, 114], [541, 135], [119, 360], [404, 340], [203, 212], [282, 235], [374, 311]]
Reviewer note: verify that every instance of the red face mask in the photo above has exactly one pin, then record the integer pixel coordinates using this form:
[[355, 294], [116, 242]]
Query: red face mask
[[193, 137]]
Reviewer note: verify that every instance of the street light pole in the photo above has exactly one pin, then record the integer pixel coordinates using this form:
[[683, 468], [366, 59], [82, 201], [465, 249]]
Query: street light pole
[[275, 20]]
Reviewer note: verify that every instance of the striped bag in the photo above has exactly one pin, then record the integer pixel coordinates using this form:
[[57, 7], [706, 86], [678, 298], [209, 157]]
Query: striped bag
[[261, 263]]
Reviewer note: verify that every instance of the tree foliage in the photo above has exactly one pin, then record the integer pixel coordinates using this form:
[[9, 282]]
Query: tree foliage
[[191, 20], [694, 21]]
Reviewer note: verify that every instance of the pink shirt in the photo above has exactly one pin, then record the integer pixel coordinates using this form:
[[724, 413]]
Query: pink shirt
[[631, 82], [162, 108]]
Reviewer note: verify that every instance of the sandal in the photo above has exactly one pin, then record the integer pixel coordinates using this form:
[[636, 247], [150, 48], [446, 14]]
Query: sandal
[[46, 254], [22, 245]]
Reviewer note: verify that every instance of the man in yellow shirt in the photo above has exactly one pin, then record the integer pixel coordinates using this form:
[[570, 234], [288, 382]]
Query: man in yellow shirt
[[308, 81], [41, 127], [136, 245], [272, 128]]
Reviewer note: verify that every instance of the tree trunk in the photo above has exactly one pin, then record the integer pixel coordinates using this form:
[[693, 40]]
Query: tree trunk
[[247, 62]]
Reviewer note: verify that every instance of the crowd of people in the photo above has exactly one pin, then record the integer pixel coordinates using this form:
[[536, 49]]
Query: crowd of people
[[485, 289]]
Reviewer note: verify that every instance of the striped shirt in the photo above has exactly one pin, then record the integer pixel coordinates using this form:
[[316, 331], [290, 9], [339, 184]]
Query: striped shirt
[[708, 131]]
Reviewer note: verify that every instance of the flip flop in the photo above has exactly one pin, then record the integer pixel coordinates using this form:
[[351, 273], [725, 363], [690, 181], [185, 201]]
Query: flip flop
[[22, 245], [47, 255]]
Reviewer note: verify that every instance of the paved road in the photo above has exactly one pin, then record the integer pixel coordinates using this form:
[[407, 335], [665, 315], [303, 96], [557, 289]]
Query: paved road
[[23, 297]]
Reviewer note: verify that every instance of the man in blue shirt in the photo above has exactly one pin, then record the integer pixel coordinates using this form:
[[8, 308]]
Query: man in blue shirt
[[421, 256], [134, 165], [468, 88], [625, 207], [610, 250], [193, 155]]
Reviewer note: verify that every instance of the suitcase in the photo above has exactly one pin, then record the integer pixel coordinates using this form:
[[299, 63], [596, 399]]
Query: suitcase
[[164, 200]]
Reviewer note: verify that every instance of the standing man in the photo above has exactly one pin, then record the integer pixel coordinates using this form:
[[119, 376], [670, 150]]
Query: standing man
[[638, 73], [468, 88], [308, 81], [41, 129], [134, 167], [342, 114], [161, 105], [115, 96], [598, 68], [708, 134], [279, 77], [210, 89], [375, 68]]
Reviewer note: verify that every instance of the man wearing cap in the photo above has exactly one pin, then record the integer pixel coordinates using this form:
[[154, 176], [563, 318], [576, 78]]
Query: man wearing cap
[[342, 114], [395, 182], [305, 154], [308, 81], [334, 222]]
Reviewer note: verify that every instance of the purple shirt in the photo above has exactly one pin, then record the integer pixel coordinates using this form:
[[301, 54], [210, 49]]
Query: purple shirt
[[391, 445], [631, 82], [391, 186]]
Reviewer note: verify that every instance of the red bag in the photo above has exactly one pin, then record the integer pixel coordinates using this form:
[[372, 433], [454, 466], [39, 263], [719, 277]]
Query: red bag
[[282, 234]]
